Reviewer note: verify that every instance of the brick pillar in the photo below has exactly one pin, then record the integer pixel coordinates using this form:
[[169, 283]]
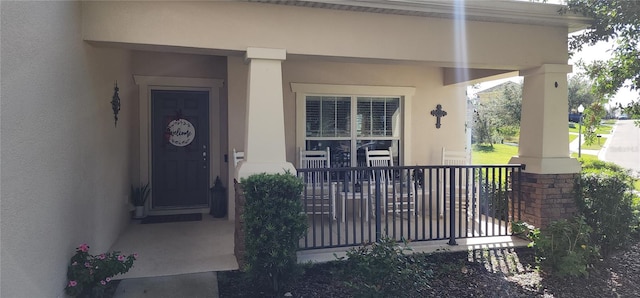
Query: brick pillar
[[239, 247], [547, 198]]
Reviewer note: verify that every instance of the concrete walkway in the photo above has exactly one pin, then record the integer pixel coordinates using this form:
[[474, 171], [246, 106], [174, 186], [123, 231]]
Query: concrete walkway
[[195, 285], [176, 259]]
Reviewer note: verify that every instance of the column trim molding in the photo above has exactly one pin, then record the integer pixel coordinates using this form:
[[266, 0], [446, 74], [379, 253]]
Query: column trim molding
[[265, 54], [547, 68]]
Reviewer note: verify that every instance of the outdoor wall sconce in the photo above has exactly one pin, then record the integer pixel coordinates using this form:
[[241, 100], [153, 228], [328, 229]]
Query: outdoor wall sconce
[[438, 113], [115, 103]]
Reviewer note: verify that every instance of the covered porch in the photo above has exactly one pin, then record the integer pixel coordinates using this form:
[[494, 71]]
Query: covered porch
[[264, 95]]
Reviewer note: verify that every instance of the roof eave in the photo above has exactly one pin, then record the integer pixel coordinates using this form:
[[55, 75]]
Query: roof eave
[[517, 12]]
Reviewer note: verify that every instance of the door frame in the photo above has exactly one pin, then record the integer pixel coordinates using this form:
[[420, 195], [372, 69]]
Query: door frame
[[145, 85]]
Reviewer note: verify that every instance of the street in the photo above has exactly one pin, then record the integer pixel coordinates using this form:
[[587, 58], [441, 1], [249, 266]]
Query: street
[[624, 146]]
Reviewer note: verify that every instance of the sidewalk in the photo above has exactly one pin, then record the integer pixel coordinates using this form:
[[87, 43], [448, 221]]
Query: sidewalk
[[574, 146]]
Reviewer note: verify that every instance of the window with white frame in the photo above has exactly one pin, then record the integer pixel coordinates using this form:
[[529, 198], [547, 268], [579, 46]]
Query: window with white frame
[[350, 118], [349, 124]]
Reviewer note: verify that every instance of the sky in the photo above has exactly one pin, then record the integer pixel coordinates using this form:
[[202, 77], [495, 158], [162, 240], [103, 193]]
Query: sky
[[588, 54]]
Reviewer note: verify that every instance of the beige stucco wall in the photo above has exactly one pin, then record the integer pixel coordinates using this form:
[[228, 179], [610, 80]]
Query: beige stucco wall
[[234, 26], [179, 65], [65, 167]]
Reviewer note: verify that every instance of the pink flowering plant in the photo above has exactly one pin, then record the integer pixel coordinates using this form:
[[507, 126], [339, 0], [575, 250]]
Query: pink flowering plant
[[89, 275]]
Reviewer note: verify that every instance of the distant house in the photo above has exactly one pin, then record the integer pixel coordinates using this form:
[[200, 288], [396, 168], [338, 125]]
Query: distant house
[[495, 91], [197, 79]]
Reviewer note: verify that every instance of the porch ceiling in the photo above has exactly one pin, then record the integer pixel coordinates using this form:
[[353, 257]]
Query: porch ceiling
[[515, 12]]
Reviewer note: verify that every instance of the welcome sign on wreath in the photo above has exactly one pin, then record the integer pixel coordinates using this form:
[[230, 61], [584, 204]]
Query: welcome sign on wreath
[[181, 132]]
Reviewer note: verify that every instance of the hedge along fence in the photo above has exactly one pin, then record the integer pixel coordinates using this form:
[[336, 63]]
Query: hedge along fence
[[274, 223]]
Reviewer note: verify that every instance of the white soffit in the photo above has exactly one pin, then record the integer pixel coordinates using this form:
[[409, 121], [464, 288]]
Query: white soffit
[[515, 12]]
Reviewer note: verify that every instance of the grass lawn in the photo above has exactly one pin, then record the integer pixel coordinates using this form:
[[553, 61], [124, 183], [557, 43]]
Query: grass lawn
[[584, 156], [603, 129], [499, 154], [597, 145], [572, 137]]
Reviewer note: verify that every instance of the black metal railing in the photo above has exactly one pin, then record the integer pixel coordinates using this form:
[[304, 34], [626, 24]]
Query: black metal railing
[[351, 206]]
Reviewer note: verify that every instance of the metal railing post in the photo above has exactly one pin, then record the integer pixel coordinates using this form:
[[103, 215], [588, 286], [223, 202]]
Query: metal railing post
[[377, 207], [452, 211]]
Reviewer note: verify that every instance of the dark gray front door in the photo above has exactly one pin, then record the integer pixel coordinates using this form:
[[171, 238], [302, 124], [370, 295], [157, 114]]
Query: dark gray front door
[[180, 148]]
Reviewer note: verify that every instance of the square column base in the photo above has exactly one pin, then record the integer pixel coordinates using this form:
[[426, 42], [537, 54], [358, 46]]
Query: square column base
[[547, 198]]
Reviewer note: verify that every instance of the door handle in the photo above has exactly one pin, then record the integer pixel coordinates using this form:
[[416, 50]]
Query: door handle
[[204, 152], [204, 156]]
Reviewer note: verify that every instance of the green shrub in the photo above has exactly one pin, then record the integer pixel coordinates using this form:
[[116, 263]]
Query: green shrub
[[635, 209], [604, 197], [563, 247], [509, 132], [599, 165], [274, 224], [523, 230], [494, 200], [382, 269], [90, 275]]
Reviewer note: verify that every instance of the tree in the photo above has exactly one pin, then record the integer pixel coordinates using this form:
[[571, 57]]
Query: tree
[[482, 131], [611, 20], [497, 116], [591, 122], [508, 107], [580, 92], [504, 111]]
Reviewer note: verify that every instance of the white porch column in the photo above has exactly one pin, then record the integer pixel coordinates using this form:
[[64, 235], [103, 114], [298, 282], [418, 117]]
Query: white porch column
[[264, 129], [544, 130]]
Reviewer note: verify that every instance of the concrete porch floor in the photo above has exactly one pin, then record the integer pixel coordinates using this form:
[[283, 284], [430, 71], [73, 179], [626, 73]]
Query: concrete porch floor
[[178, 248]]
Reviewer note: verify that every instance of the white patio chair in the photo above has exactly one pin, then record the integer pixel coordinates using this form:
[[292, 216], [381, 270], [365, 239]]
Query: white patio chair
[[392, 199], [453, 158], [319, 191], [237, 157]]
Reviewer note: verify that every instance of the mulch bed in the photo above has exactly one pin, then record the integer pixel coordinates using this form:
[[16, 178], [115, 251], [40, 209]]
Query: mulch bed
[[509, 272]]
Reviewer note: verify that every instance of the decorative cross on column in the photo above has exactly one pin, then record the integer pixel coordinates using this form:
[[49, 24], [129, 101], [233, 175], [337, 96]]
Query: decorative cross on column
[[438, 113]]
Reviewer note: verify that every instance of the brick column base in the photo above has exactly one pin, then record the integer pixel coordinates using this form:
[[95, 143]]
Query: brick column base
[[239, 247], [547, 198]]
